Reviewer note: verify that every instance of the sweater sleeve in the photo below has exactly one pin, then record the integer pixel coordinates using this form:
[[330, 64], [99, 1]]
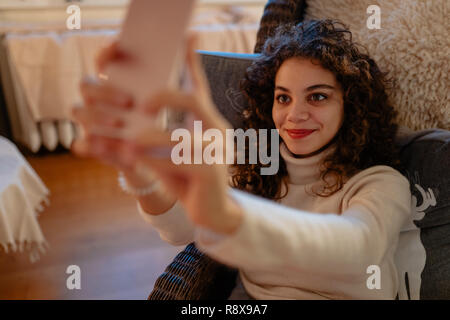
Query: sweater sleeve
[[173, 226], [273, 236]]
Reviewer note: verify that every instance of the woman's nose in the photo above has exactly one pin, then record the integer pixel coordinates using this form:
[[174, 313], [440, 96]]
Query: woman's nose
[[298, 112]]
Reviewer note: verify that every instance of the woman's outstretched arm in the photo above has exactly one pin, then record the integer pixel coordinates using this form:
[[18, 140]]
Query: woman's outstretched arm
[[277, 237]]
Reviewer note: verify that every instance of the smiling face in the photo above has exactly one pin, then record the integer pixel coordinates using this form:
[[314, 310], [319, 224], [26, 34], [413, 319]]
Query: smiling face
[[308, 107]]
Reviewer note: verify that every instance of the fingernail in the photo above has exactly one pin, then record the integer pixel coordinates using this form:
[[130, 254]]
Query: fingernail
[[118, 123], [125, 101]]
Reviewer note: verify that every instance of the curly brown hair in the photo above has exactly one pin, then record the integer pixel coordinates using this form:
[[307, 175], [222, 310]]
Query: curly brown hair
[[366, 137]]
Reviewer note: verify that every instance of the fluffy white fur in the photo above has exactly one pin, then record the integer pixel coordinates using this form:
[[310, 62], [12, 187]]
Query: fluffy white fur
[[413, 45]]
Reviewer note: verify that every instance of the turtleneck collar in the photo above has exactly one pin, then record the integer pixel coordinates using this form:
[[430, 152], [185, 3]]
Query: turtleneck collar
[[303, 171]]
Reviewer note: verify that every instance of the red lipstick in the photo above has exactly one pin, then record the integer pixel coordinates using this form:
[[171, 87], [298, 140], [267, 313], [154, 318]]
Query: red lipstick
[[299, 133]]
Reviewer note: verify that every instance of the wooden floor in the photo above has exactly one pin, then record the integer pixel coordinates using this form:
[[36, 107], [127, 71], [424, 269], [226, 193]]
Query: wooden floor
[[92, 224]]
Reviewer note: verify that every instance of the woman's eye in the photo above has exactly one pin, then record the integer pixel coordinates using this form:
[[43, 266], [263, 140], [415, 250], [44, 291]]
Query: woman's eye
[[283, 100], [318, 97]]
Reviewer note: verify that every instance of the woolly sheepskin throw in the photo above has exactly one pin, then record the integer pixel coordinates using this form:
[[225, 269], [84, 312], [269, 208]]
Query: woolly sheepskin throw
[[413, 44]]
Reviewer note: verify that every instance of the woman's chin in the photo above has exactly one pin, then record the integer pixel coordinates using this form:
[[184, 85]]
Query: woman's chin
[[304, 150], [299, 152]]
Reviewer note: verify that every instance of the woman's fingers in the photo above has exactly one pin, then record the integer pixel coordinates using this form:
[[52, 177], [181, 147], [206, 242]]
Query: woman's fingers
[[175, 99], [81, 147], [151, 137], [105, 107], [199, 101], [105, 55], [166, 165], [156, 149], [97, 116], [195, 66], [93, 92], [112, 151], [108, 54]]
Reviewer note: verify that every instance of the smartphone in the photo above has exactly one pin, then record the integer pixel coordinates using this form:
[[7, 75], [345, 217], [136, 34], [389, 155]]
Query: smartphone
[[153, 34]]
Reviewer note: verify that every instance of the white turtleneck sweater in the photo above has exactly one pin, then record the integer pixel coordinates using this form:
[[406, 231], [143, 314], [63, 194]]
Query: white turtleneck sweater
[[306, 246]]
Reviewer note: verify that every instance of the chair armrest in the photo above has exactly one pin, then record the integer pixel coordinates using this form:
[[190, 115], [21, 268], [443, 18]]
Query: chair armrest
[[193, 275]]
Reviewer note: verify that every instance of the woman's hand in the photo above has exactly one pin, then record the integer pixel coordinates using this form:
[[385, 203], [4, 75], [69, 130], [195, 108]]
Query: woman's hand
[[103, 107], [202, 188]]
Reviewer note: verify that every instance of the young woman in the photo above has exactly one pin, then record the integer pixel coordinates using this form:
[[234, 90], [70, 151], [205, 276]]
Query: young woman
[[326, 225]]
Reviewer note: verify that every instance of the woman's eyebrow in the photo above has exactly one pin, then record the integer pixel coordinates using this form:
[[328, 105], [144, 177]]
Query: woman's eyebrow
[[310, 88], [317, 86], [281, 88]]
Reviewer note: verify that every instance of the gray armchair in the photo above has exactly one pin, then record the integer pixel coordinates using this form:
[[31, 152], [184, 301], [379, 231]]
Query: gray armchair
[[425, 155]]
